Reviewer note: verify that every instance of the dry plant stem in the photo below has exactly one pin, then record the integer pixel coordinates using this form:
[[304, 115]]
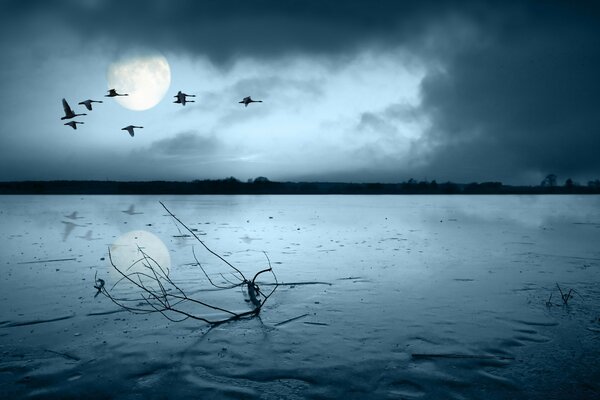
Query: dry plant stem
[[160, 294]]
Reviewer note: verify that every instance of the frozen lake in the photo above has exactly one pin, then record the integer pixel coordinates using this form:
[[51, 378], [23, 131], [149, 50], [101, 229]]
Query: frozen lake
[[397, 297]]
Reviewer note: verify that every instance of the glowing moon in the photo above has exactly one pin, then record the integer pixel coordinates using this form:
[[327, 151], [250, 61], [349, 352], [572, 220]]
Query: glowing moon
[[146, 79], [124, 251]]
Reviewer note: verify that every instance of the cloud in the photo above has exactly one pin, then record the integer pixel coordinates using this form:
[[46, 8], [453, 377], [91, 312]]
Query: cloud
[[184, 144], [518, 100]]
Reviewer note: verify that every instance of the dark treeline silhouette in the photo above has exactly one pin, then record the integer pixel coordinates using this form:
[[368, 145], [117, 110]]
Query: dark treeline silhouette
[[263, 185]]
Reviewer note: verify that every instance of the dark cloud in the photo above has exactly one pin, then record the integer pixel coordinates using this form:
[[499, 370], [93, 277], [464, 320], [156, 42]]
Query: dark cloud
[[184, 144], [518, 98], [224, 29]]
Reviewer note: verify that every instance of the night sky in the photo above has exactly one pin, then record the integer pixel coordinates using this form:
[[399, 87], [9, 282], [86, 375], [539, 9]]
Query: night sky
[[356, 91]]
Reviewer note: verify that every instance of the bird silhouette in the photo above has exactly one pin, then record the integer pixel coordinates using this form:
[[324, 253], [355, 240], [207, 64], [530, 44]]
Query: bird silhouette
[[88, 236], [68, 112], [113, 93], [73, 215], [248, 100], [88, 103], [73, 124], [131, 210], [181, 98], [129, 129], [69, 226]]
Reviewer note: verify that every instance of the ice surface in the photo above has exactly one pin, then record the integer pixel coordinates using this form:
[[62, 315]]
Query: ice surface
[[384, 297]]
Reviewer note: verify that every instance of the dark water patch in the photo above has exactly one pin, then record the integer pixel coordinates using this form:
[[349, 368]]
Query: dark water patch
[[463, 279], [47, 261], [498, 380], [533, 339], [297, 283], [406, 388], [421, 356], [527, 331], [105, 312], [535, 323], [36, 321], [315, 323], [350, 278], [147, 370], [562, 256], [511, 343], [424, 340], [65, 355]]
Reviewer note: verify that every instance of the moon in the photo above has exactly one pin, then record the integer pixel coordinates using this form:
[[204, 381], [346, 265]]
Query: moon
[[145, 79], [124, 251]]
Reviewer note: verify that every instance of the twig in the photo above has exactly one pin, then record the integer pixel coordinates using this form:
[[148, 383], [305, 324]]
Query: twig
[[291, 319]]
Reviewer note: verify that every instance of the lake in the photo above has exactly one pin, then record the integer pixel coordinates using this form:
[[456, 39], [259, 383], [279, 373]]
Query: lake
[[413, 297]]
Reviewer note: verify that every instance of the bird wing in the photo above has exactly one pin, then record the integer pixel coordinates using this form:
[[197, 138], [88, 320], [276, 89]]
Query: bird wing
[[66, 107]]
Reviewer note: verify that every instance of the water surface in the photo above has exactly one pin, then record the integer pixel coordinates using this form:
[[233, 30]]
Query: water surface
[[403, 297]]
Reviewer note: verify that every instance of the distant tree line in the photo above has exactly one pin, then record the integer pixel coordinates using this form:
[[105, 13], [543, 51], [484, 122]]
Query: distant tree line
[[262, 185]]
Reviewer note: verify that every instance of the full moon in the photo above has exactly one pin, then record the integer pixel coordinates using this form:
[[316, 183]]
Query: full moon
[[145, 79]]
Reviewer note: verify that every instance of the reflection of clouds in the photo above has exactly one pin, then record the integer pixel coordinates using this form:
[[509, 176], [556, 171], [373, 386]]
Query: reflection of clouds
[[529, 211]]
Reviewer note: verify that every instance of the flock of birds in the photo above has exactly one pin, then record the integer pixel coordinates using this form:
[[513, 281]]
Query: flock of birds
[[180, 98]]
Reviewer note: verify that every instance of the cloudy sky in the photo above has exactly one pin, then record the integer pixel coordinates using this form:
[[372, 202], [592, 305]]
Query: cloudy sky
[[357, 91]]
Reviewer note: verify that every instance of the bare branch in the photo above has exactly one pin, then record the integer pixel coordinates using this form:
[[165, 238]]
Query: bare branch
[[158, 293]]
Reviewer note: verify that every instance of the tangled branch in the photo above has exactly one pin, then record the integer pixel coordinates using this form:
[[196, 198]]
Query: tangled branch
[[158, 293]]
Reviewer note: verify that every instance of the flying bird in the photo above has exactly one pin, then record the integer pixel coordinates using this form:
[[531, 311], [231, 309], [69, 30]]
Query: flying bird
[[113, 93], [88, 103], [129, 129], [68, 112], [248, 100], [181, 98], [73, 124]]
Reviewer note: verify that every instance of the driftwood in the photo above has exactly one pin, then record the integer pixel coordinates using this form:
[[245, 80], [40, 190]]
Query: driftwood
[[158, 293]]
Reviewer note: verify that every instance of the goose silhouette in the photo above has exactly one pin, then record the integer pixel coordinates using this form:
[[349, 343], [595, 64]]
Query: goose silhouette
[[88, 103], [88, 236], [130, 128], [131, 210], [73, 124], [68, 111], [73, 215], [181, 98], [113, 93], [248, 100], [69, 226]]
